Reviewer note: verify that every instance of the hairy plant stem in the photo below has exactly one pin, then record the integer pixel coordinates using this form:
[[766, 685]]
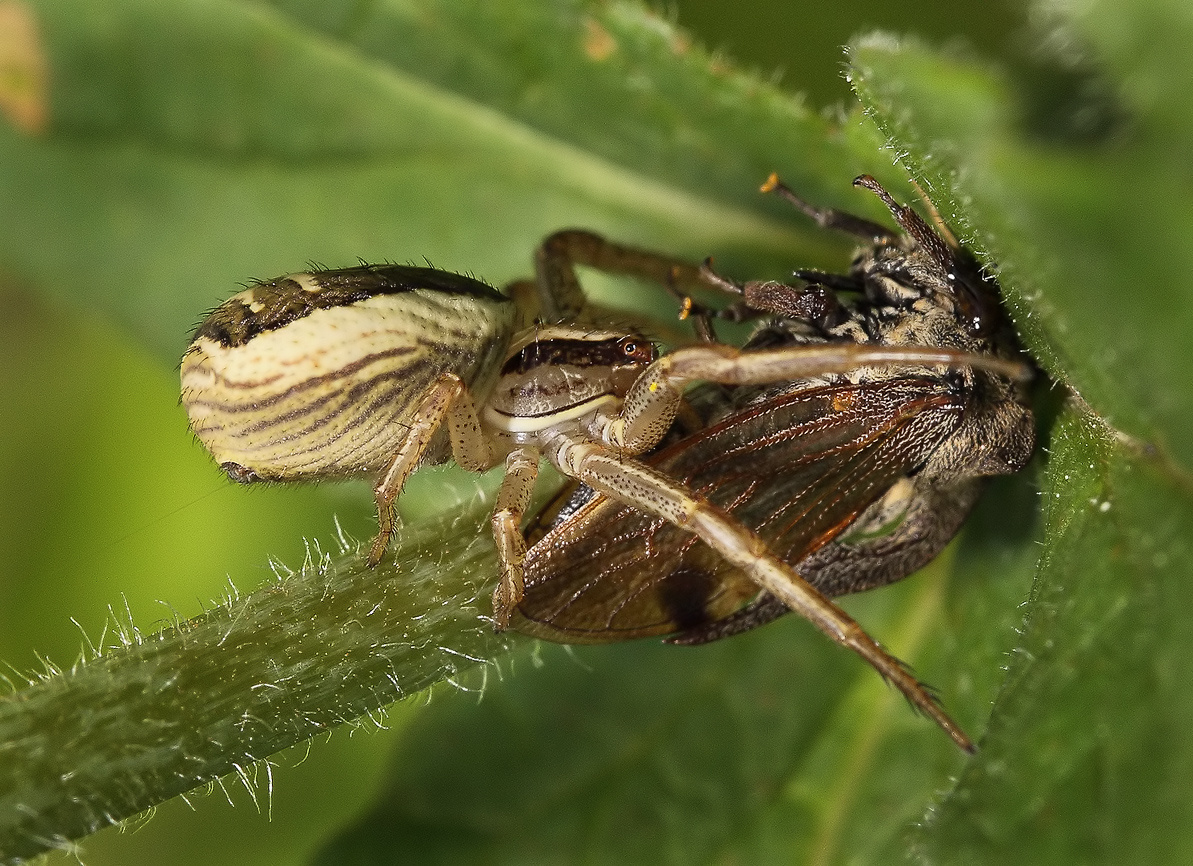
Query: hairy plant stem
[[159, 715]]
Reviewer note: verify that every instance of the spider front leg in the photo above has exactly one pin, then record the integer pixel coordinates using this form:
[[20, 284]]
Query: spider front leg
[[651, 404], [631, 482], [447, 400], [562, 299]]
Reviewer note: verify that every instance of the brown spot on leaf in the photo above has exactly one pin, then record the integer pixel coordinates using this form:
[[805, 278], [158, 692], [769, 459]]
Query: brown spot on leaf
[[23, 68], [598, 42]]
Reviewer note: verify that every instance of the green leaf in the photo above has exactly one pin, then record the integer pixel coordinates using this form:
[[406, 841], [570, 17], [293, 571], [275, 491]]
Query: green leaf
[[150, 717], [1069, 771], [1083, 236], [776, 746], [1082, 215], [193, 145]]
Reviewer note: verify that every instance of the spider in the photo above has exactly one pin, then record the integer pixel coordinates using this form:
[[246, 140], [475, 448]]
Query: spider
[[354, 372]]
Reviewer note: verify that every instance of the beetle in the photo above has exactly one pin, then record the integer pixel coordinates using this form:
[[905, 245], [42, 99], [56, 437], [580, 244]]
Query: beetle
[[856, 480]]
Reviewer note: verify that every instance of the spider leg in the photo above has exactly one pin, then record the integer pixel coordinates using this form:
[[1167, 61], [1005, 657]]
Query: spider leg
[[521, 470], [629, 481], [653, 400], [560, 296], [446, 400]]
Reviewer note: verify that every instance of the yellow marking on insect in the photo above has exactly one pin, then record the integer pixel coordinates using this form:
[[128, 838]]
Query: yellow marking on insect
[[843, 401]]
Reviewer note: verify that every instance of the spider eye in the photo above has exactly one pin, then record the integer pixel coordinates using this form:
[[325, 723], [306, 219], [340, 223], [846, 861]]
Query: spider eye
[[635, 349]]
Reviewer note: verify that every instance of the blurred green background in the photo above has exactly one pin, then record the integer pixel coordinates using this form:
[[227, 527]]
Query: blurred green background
[[108, 504]]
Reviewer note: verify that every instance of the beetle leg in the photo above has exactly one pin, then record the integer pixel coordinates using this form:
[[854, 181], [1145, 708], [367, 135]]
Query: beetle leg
[[831, 218], [561, 298], [636, 484], [814, 303], [445, 400], [513, 497]]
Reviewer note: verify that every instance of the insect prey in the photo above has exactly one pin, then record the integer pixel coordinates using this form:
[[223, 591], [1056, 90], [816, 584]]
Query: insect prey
[[856, 480]]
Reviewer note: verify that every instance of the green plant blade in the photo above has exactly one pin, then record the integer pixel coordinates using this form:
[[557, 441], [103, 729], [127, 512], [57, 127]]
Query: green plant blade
[[1085, 758], [1082, 236], [1083, 762], [191, 146], [161, 714], [194, 145]]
